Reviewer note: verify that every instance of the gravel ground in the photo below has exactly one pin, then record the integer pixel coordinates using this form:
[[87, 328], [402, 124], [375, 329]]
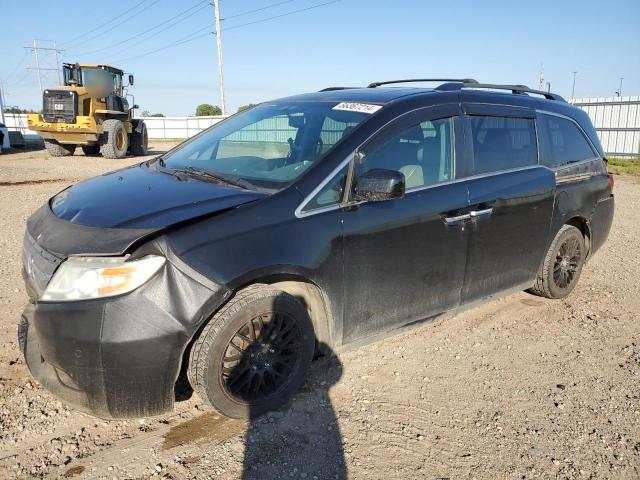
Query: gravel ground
[[522, 387]]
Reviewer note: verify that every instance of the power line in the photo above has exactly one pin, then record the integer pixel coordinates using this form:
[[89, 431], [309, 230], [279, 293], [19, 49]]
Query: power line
[[154, 27], [103, 24], [36, 49], [282, 15], [175, 43], [18, 65], [248, 12], [188, 38], [130, 17]]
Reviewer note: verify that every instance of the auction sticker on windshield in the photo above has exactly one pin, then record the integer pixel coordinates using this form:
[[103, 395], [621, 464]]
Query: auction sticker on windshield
[[357, 107]]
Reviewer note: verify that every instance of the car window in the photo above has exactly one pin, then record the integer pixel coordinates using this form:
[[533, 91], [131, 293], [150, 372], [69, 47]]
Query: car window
[[268, 146], [566, 141], [268, 139], [424, 153], [331, 193], [332, 132], [501, 143]]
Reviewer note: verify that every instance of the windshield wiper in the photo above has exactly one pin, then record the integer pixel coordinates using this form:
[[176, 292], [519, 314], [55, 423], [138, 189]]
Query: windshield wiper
[[217, 177]]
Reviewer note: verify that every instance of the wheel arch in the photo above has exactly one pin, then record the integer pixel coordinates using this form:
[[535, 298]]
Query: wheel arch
[[584, 226], [314, 299], [310, 295]]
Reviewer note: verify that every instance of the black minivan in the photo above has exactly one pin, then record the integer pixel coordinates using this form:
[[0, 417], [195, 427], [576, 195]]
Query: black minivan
[[324, 219]]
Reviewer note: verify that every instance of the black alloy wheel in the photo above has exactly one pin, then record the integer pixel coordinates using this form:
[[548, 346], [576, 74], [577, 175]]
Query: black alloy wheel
[[568, 259], [254, 353]]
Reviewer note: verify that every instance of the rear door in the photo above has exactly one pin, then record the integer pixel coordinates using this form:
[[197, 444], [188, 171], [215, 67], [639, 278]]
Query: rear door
[[511, 199], [404, 259]]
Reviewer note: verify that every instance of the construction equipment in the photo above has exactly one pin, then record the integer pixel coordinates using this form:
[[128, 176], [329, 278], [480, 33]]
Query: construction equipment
[[90, 110]]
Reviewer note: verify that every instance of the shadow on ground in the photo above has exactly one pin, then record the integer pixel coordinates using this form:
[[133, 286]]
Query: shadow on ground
[[301, 439]]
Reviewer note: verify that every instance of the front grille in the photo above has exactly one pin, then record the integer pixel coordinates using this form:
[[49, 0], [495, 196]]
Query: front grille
[[59, 106], [38, 266]]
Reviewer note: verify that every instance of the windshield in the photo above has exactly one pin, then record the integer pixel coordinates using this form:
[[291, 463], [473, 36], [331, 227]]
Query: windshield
[[267, 146], [98, 79]]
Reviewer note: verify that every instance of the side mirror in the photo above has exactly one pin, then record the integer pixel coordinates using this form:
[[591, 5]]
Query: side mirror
[[130, 79], [379, 184]]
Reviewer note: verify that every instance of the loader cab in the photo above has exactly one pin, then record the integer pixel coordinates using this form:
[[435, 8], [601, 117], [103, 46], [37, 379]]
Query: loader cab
[[105, 78]]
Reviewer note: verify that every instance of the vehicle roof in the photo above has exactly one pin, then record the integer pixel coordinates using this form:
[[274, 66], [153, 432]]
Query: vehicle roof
[[385, 95], [100, 65], [370, 95]]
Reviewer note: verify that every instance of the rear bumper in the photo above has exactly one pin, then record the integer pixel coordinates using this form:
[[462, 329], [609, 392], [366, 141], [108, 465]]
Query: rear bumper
[[118, 357]]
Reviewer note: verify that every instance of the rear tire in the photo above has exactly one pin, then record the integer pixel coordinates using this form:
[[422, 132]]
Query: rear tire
[[114, 140], [139, 140], [56, 149], [254, 353], [91, 150], [562, 265]]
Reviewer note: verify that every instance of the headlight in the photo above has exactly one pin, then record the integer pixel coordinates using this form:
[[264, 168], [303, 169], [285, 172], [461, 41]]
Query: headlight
[[81, 278]]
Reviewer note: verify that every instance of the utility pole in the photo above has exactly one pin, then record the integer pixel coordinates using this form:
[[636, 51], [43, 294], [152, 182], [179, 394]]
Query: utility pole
[[1, 106], [55, 49], [573, 89], [216, 13], [36, 49], [619, 92]]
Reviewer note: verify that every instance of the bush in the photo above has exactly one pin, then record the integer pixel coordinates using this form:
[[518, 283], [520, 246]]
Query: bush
[[242, 108], [206, 110]]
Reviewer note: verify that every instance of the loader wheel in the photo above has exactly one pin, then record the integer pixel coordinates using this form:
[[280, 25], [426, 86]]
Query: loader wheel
[[91, 150], [56, 149], [139, 141], [254, 353], [114, 140]]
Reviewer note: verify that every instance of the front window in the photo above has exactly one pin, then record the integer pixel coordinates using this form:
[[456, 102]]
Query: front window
[[98, 79], [268, 146]]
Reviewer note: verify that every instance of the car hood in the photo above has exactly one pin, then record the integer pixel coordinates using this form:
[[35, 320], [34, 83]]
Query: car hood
[[144, 197], [107, 215]]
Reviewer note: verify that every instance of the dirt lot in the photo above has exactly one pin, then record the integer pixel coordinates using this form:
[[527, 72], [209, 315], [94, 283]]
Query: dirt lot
[[519, 388]]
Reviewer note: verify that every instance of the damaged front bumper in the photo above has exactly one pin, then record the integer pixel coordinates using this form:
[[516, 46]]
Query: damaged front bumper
[[119, 357]]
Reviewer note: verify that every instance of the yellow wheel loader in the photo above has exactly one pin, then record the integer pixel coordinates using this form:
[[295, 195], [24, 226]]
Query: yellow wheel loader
[[90, 110]]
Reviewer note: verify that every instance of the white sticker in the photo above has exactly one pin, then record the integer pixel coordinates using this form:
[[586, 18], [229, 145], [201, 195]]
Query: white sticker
[[358, 107]]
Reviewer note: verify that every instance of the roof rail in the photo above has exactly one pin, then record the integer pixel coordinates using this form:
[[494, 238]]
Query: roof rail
[[331, 89], [516, 89], [411, 80]]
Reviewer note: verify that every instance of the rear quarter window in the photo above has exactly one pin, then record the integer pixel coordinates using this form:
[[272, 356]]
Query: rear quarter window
[[566, 143]]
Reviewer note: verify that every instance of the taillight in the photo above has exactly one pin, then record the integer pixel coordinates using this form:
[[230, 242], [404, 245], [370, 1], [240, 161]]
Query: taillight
[[611, 182]]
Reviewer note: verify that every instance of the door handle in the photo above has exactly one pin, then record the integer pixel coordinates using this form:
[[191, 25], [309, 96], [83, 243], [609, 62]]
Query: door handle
[[480, 213], [455, 220]]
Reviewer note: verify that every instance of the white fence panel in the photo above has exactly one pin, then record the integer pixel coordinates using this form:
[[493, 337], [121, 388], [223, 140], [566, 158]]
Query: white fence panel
[[158, 127], [616, 119]]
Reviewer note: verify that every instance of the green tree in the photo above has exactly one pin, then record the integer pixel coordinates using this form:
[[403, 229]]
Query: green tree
[[146, 113], [17, 110], [206, 109], [242, 108]]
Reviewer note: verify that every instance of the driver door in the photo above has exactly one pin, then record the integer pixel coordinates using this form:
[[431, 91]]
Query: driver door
[[404, 259]]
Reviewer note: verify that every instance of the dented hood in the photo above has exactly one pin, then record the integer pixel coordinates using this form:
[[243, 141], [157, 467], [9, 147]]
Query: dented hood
[[106, 214]]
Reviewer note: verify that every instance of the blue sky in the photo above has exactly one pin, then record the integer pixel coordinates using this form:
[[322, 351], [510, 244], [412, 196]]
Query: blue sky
[[349, 42]]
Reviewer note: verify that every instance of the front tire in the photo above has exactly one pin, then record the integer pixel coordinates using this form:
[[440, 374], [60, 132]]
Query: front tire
[[56, 149], [114, 140], [562, 265], [254, 353]]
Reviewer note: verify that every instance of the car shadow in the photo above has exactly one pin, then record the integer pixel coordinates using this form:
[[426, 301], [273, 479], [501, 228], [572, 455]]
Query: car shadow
[[301, 439]]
